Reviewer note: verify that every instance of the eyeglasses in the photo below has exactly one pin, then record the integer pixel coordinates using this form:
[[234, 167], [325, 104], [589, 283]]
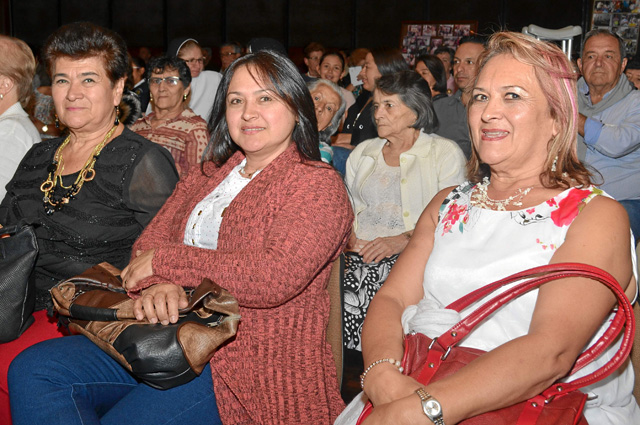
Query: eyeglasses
[[228, 54], [172, 81], [190, 61]]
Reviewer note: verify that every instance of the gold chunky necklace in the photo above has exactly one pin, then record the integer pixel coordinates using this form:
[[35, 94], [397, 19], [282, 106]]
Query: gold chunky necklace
[[481, 199], [53, 202]]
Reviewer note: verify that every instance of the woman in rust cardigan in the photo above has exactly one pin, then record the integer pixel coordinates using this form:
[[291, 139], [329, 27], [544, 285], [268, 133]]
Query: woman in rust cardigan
[[264, 218]]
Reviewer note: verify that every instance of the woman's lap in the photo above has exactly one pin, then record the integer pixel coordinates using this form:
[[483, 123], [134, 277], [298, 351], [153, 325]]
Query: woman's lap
[[72, 381]]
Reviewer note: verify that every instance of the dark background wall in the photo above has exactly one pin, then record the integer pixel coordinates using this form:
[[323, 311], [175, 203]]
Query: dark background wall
[[335, 23]]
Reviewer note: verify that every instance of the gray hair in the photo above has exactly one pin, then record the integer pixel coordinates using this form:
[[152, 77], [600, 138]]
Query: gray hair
[[237, 48], [604, 31], [415, 93], [325, 134]]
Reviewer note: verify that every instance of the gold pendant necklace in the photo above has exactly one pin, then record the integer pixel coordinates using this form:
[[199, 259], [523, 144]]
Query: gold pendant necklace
[[53, 203], [480, 197]]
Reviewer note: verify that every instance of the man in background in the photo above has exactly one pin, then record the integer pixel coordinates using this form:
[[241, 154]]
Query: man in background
[[228, 53], [609, 120], [451, 111], [312, 54]]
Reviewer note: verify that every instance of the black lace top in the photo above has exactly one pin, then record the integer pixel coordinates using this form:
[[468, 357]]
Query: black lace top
[[133, 179]]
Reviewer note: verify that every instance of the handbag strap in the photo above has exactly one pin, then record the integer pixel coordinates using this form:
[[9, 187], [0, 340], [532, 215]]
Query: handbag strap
[[537, 277], [588, 355]]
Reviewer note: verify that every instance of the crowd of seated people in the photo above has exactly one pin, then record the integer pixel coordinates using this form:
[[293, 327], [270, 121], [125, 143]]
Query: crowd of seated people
[[260, 175]]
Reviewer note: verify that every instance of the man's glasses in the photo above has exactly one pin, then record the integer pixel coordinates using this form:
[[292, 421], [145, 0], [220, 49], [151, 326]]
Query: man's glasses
[[156, 81]]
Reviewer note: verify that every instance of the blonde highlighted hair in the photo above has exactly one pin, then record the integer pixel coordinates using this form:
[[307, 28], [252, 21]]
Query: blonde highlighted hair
[[18, 64], [557, 80]]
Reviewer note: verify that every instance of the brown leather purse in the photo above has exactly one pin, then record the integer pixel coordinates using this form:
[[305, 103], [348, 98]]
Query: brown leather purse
[[95, 304]]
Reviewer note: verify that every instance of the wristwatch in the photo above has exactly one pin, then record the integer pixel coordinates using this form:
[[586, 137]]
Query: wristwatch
[[431, 407]]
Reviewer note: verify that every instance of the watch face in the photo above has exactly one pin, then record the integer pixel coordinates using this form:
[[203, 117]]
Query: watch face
[[433, 408]]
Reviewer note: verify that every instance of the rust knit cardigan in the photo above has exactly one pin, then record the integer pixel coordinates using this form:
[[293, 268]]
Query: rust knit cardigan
[[275, 247]]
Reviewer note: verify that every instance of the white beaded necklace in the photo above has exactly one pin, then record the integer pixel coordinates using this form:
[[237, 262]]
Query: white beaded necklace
[[481, 199]]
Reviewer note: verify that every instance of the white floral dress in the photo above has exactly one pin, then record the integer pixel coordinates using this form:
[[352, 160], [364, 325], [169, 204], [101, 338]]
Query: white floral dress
[[475, 246]]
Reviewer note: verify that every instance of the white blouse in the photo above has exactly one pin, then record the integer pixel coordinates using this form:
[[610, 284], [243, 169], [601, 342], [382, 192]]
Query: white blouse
[[203, 226]]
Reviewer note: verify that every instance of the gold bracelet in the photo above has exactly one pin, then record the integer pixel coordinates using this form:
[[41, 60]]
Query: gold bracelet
[[396, 363]]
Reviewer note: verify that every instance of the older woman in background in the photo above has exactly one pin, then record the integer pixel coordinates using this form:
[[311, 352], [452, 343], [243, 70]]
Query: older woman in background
[[529, 202], [91, 193], [332, 67], [391, 179], [17, 133], [172, 123], [430, 68], [330, 107], [204, 84], [358, 125]]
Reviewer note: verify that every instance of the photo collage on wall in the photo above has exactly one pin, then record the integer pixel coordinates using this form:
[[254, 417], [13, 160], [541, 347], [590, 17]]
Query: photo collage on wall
[[421, 38], [621, 17]]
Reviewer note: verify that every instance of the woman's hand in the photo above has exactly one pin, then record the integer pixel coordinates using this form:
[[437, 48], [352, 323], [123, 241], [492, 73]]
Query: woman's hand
[[379, 248], [404, 411], [387, 384], [160, 303], [139, 268]]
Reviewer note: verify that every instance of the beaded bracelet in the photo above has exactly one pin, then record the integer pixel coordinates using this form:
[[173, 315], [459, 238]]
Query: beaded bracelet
[[395, 363]]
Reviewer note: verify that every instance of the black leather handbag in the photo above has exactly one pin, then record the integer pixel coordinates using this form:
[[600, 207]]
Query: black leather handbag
[[18, 253], [95, 304]]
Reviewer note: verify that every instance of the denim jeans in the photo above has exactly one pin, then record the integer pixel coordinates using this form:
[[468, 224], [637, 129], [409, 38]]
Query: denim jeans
[[633, 210], [71, 381], [339, 160]]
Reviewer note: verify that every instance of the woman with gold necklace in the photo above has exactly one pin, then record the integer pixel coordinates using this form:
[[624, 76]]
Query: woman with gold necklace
[[91, 193]]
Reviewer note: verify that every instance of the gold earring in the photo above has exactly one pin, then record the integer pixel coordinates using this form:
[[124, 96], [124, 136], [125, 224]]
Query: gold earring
[[184, 97], [150, 97]]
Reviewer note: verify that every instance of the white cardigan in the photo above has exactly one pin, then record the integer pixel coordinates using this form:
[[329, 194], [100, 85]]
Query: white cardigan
[[432, 164]]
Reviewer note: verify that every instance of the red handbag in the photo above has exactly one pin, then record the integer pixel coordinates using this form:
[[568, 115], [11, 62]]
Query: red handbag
[[427, 359]]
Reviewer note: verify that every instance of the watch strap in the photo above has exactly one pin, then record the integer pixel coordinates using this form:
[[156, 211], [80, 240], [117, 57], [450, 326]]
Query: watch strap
[[425, 397]]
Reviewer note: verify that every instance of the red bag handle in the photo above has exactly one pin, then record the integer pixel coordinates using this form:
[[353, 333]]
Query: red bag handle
[[539, 276], [586, 357]]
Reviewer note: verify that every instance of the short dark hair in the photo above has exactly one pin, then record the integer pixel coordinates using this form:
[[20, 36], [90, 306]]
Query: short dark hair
[[474, 38], [160, 64], [414, 92], [633, 63], [445, 49], [313, 47], [604, 31], [389, 60], [280, 76], [337, 54], [436, 68], [82, 40], [137, 61]]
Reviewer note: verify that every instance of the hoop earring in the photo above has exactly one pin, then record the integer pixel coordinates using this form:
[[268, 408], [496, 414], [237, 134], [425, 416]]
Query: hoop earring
[[117, 121]]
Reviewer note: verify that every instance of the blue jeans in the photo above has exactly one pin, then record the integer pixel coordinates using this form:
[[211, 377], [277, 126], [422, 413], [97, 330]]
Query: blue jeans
[[339, 160], [71, 381], [633, 210]]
